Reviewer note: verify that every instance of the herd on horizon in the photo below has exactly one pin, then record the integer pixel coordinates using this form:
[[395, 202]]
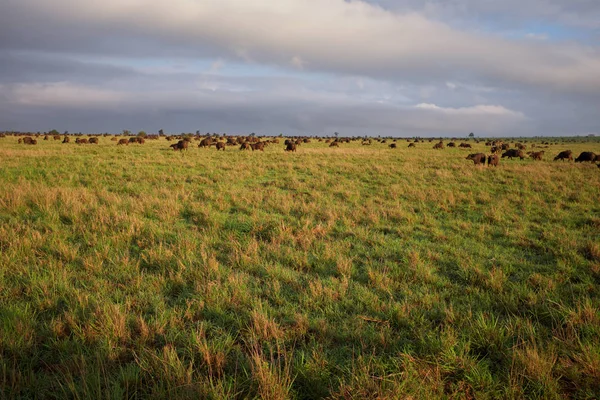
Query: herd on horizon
[[498, 148]]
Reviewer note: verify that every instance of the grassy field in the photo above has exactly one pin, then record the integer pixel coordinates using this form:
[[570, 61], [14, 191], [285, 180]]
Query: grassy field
[[353, 272]]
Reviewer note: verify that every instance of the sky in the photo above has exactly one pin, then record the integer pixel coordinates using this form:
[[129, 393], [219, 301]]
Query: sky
[[302, 67]]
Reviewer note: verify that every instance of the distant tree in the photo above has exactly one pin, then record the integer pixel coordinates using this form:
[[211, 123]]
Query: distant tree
[[198, 132], [142, 134], [126, 132], [161, 132], [471, 135], [336, 134], [253, 134], [54, 132]]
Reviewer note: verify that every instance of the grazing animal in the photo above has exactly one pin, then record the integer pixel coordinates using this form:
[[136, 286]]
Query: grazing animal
[[220, 146], [66, 139], [536, 155], [451, 144], [512, 153], [564, 155], [258, 146], [393, 146], [56, 137], [334, 144], [477, 158], [206, 142], [493, 160], [412, 145], [81, 141], [93, 140], [505, 146], [141, 140], [27, 140], [465, 145], [586, 156], [45, 137], [123, 141], [290, 147], [181, 145], [245, 146], [439, 145]]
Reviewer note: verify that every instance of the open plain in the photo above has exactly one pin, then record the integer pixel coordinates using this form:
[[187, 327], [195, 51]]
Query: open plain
[[351, 272]]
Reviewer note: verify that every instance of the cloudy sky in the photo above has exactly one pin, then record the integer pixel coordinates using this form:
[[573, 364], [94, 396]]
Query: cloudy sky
[[378, 67]]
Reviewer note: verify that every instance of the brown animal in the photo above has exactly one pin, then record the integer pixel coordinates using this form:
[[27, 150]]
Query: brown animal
[[412, 145], [66, 139], [140, 140], [181, 145], [477, 158], [439, 146], [393, 146], [93, 140], [206, 142], [290, 147], [465, 145], [587, 156], [258, 146], [220, 146], [505, 146], [245, 146], [564, 155], [45, 137], [451, 144], [334, 144], [493, 160], [26, 140], [536, 155], [513, 153], [56, 137], [81, 141], [123, 141]]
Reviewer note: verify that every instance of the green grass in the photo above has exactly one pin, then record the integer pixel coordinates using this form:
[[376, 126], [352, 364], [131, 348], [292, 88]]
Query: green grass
[[353, 272]]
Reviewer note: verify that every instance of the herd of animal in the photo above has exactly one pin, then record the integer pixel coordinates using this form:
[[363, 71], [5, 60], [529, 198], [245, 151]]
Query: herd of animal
[[498, 148]]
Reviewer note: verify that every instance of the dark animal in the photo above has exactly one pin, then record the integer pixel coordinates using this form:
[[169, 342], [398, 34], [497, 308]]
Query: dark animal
[[81, 141], [290, 147], [451, 144], [123, 141], [412, 145], [66, 139], [220, 146], [393, 146], [56, 137], [245, 146], [564, 155], [181, 145], [334, 144], [439, 145], [586, 156], [206, 142], [477, 158], [512, 153], [465, 145], [93, 140], [493, 160]]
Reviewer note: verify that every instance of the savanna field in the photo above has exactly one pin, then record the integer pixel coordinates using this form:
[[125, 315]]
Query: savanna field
[[357, 272]]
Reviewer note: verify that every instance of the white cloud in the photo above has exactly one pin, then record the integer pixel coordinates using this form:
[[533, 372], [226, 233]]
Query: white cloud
[[492, 110]]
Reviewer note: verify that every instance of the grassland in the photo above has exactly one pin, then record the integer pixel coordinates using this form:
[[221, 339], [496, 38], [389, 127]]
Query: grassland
[[358, 272]]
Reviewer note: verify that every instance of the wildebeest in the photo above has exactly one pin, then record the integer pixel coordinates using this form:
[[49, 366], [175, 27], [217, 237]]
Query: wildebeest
[[56, 137], [181, 145], [245, 146], [586, 156], [493, 160], [564, 155], [393, 146], [513, 153], [45, 137], [451, 144], [505, 146], [81, 141], [26, 140], [66, 139], [477, 158], [290, 147], [439, 145], [93, 140], [465, 145], [334, 144], [123, 141], [536, 155], [412, 145], [258, 146]]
